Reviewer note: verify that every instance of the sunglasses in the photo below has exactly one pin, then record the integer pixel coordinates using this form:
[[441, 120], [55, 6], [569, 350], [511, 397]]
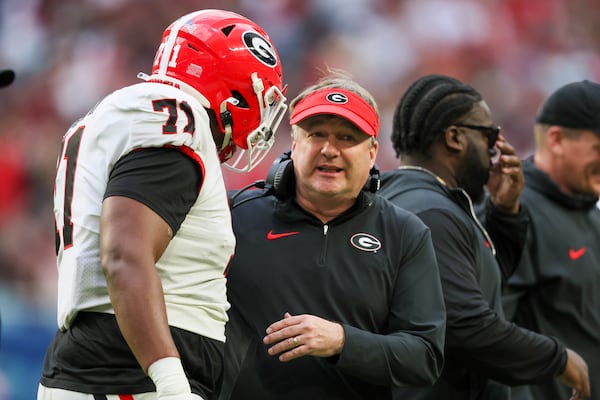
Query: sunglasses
[[491, 132]]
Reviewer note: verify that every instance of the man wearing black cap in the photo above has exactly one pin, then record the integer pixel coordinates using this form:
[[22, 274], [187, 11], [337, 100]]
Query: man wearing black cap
[[555, 289], [335, 293]]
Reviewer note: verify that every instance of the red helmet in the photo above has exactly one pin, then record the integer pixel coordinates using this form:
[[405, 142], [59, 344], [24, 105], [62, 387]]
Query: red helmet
[[234, 66]]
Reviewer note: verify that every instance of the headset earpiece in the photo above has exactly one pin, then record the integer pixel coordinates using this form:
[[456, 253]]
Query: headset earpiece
[[280, 178], [373, 182]]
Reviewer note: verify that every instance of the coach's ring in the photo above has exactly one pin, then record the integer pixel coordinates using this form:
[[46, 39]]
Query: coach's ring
[[295, 340]]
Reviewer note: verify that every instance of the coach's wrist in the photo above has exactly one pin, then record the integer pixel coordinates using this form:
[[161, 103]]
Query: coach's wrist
[[169, 378]]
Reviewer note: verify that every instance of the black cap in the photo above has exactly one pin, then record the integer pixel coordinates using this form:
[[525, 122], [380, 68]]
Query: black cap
[[7, 76], [575, 105]]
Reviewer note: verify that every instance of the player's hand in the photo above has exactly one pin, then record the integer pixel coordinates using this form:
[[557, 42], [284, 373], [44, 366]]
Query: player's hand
[[506, 179], [304, 335], [576, 376]]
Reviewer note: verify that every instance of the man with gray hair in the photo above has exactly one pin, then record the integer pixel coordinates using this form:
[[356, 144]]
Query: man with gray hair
[[334, 291]]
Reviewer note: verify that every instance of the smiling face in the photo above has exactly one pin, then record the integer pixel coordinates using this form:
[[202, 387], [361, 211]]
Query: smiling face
[[579, 163], [332, 160]]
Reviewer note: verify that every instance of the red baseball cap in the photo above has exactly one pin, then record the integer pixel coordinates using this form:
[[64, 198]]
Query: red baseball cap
[[340, 102]]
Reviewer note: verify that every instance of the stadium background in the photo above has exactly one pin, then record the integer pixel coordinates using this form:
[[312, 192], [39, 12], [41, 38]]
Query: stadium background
[[68, 54]]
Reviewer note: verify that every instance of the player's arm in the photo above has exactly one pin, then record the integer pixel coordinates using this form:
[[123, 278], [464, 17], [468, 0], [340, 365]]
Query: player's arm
[[133, 238], [148, 195]]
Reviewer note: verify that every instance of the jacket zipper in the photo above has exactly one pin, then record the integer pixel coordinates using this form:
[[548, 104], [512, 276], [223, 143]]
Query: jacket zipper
[[323, 255], [474, 216]]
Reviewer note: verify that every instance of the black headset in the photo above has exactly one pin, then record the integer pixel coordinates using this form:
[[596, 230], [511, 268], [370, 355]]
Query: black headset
[[281, 181], [373, 183]]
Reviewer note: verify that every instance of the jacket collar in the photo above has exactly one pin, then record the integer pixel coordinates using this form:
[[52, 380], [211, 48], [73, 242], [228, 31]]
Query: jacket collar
[[540, 182], [290, 210], [414, 177]]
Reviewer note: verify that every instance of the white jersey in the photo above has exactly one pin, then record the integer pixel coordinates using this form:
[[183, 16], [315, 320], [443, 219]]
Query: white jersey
[[193, 265]]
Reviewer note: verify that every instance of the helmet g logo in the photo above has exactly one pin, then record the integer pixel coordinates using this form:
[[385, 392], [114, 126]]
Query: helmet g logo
[[260, 48], [365, 242], [336, 97]]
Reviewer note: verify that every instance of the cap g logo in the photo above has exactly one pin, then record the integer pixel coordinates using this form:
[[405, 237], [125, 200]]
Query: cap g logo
[[338, 98], [260, 48], [365, 242]]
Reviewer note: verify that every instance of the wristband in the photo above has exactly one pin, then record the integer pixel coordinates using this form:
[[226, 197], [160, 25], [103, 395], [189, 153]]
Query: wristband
[[169, 378]]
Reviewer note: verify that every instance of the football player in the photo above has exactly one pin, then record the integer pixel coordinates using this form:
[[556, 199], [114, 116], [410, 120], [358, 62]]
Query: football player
[[143, 229]]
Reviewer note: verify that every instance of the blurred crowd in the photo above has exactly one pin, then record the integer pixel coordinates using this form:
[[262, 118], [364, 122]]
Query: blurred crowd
[[68, 54]]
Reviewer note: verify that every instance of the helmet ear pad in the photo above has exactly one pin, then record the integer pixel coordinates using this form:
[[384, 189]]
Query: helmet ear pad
[[281, 178], [226, 149]]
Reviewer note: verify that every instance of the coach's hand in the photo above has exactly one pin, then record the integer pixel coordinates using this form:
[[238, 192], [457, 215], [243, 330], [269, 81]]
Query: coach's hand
[[506, 178], [576, 376], [304, 335]]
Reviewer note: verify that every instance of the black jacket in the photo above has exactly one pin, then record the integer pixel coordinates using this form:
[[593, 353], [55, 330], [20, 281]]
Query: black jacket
[[481, 345], [372, 269], [556, 287]]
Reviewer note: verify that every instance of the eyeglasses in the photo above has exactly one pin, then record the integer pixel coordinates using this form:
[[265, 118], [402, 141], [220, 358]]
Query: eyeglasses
[[491, 132]]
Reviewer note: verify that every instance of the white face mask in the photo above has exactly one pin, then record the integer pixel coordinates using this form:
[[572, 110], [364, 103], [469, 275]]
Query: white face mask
[[260, 140]]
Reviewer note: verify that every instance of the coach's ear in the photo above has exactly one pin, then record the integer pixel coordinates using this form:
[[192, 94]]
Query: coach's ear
[[555, 139], [454, 139]]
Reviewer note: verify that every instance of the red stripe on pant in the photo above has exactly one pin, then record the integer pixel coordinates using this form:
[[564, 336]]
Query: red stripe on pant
[[125, 397]]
